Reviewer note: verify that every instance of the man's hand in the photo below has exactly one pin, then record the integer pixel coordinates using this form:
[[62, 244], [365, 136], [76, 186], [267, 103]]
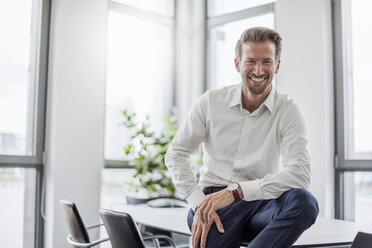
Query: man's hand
[[211, 203], [199, 230]]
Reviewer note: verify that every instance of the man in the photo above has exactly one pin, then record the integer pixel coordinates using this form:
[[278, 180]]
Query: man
[[243, 129]]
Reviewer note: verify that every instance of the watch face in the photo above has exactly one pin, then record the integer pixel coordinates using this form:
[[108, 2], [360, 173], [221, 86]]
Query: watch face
[[232, 187]]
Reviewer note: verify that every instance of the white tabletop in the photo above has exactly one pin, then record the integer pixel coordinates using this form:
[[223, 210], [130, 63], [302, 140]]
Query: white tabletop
[[171, 219], [324, 231], [331, 231]]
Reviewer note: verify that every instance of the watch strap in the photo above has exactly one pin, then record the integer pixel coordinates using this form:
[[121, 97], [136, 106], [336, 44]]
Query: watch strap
[[236, 195]]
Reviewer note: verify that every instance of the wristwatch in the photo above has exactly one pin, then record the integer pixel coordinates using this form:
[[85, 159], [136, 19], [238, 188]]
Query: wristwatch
[[233, 188]]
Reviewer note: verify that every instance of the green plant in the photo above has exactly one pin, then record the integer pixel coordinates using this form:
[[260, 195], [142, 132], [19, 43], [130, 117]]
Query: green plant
[[147, 149]]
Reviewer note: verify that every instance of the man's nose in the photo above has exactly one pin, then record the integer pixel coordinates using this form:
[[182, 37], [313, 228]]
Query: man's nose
[[258, 69]]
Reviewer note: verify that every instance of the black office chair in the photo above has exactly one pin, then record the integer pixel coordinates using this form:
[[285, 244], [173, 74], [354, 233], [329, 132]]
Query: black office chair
[[362, 240], [124, 233], [161, 202], [78, 236]]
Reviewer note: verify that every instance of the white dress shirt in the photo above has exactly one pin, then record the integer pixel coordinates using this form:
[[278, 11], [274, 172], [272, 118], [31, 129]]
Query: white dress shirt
[[241, 147]]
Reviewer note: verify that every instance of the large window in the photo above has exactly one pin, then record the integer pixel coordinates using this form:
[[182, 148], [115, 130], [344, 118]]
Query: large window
[[16, 126], [358, 81], [226, 21], [353, 51], [23, 48], [139, 66]]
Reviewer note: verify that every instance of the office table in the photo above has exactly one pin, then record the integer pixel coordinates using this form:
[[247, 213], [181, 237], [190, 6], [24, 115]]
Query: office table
[[324, 232]]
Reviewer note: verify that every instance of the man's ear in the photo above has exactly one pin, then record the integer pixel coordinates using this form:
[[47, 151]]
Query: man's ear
[[277, 66], [236, 62]]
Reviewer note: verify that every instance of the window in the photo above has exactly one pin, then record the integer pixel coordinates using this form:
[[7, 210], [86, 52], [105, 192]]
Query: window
[[353, 122], [220, 7], [226, 21], [139, 66], [358, 85], [18, 190], [24, 27], [357, 196], [15, 75]]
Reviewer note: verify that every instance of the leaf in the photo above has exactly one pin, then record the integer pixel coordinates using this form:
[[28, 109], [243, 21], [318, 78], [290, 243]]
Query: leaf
[[147, 148]]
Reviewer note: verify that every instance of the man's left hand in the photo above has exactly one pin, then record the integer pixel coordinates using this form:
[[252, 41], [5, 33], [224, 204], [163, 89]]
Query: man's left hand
[[212, 203]]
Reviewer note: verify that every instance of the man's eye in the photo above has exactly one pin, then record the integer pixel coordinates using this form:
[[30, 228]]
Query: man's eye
[[250, 61], [267, 62]]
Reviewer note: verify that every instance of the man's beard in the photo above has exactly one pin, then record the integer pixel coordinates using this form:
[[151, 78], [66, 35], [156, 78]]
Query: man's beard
[[258, 90]]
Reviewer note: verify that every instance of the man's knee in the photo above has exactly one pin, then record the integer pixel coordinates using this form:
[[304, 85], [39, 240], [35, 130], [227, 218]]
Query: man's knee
[[190, 218], [305, 205]]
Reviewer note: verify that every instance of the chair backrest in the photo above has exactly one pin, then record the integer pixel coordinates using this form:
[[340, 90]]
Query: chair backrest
[[362, 240], [74, 222], [121, 229]]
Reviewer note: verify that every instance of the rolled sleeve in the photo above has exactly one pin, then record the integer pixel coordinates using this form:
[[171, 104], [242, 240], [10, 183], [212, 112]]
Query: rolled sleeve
[[251, 190], [195, 198]]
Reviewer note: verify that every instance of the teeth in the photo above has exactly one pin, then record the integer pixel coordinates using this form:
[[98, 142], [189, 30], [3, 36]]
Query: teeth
[[257, 79]]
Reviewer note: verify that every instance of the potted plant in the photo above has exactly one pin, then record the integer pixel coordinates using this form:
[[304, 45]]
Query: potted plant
[[146, 150]]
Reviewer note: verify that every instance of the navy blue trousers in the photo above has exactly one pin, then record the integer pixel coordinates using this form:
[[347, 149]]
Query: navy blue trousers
[[265, 223]]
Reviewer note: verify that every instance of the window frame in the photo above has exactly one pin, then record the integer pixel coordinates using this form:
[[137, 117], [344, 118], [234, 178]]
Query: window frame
[[36, 111], [125, 9], [218, 20], [344, 207]]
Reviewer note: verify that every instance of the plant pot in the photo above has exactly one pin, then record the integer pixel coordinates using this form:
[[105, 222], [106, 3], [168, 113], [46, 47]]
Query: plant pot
[[157, 202], [134, 200]]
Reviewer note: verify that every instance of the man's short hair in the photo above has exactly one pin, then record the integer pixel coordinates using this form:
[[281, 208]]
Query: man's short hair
[[259, 34]]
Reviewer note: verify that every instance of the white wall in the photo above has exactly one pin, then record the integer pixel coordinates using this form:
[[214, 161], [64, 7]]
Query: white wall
[[75, 114], [306, 74]]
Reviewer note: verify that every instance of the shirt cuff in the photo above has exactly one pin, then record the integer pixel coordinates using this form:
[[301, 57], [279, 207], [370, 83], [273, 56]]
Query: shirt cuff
[[195, 198], [251, 190]]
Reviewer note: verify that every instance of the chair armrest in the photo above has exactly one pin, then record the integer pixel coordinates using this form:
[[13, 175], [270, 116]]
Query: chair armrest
[[163, 237], [94, 226], [82, 245]]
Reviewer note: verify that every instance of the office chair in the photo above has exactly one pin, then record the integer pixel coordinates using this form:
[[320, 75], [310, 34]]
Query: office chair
[[78, 236], [124, 233], [362, 240], [161, 202]]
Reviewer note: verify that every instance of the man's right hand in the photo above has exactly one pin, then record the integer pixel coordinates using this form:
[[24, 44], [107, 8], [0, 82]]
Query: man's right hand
[[199, 231]]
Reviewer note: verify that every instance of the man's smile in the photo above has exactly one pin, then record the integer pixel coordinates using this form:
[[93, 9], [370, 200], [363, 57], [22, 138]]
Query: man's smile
[[258, 79]]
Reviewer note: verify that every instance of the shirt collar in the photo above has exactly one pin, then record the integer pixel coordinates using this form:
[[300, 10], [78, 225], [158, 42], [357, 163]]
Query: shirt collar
[[236, 98], [269, 101]]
